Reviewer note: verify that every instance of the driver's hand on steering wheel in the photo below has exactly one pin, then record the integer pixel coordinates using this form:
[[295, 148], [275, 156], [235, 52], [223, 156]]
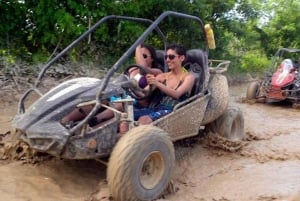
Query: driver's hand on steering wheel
[[151, 79], [133, 71]]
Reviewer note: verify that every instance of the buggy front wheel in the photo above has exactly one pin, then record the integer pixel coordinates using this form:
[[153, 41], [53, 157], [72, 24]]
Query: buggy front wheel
[[141, 164], [252, 90]]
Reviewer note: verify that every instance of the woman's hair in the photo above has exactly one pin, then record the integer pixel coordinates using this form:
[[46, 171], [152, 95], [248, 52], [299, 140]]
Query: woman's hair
[[179, 49], [152, 51]]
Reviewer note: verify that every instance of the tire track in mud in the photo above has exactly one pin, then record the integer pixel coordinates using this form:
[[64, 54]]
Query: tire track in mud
[[274, 151], [263, 146], [279, 147], [204, 163], [272, 130], [187, 152], [207, 157], [271, 145]]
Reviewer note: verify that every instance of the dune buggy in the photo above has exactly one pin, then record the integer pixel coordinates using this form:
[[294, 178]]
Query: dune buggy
[[141, 160], [282, 80]]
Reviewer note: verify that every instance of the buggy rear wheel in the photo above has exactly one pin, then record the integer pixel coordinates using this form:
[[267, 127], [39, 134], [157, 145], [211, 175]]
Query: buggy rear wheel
[[230, 124], [141, 164], [252, 90]]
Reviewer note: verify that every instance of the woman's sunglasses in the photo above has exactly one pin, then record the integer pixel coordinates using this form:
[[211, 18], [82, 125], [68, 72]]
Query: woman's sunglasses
[[145, 56], [170, 56]]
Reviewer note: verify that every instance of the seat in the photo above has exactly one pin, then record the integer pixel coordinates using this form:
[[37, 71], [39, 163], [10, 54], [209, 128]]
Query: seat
[[196, 62], [160, 56]]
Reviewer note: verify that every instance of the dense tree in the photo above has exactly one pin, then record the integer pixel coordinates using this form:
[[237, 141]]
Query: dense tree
[[13, 31], [247, 32], [282, 26]]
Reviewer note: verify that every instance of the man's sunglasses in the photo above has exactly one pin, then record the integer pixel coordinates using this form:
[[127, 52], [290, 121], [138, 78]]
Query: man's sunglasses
[[145, 56], [170, 56]]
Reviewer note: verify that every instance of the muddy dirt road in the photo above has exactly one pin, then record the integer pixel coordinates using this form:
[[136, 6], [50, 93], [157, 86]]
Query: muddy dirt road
[[266, 168]]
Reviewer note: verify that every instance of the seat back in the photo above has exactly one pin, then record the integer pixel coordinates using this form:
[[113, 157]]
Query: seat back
[[160, 56], [197, 63]]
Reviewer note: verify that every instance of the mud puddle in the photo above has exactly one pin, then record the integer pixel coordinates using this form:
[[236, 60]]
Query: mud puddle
[[266, 168]]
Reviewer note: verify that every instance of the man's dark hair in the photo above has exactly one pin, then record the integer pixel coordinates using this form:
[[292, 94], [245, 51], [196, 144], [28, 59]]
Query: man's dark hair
[[179, 49]]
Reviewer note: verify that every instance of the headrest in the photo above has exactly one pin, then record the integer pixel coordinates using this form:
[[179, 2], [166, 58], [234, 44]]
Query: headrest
[[160, 55], [196, 56]]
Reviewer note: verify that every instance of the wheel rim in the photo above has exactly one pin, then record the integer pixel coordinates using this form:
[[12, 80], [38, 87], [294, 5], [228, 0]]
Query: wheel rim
[[235, 130], [252, 91], [152, 170]]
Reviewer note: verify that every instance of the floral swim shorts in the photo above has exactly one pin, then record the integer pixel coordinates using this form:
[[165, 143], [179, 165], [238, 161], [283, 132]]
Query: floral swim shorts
[[153, 113]]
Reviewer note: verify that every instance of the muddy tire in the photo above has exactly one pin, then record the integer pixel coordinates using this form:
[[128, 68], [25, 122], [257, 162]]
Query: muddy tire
[[141, 164], [219, 100], [252, 90], [229, 125]]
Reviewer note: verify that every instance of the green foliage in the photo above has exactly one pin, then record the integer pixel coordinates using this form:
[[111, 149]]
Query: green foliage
[[254, 62], [247, 32], [12, 29], [6, 59], [283, 25]]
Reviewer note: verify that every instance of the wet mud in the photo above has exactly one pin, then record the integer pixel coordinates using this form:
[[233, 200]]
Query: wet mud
[[263, 167]]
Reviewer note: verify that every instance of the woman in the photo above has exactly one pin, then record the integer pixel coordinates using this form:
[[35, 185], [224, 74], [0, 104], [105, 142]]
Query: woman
[[175, 85], [145, 55]]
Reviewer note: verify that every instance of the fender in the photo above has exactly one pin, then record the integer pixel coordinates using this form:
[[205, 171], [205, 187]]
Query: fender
[[218, 86]]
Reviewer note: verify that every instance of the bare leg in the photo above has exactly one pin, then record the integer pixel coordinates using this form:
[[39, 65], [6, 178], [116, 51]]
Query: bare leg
[[106, 114], [145, 120], [77, 114], [80, 113]]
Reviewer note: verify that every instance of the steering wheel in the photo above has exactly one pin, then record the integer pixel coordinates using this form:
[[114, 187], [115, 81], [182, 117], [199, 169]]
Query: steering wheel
[[143, 70], [138, 82]]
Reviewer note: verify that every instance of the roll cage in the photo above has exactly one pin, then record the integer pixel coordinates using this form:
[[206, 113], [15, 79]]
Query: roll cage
[[153, 25], [284, 53]]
